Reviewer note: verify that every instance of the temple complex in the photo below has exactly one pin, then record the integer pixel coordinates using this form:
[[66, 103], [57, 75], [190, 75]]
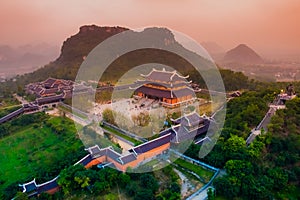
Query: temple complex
[[50, 87], [169, 89]]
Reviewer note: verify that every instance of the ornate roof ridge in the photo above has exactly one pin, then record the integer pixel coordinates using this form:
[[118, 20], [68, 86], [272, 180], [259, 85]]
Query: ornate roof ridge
[[174, 72]]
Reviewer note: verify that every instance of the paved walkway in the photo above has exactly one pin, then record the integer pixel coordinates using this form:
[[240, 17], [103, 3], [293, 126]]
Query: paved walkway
[[20, 99], [125, 144], [185, 183], [202, 195], [264, 122]]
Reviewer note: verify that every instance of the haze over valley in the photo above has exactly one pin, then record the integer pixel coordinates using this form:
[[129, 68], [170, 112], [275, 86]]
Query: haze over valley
[[242, 58], [26, 58]]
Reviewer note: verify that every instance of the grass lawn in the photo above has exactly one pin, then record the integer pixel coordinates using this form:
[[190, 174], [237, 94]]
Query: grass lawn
[[121, 135], [154, 165], [29, 150], [205, 96], [90, 137], [8, 101], [209, 108], [200, 171]]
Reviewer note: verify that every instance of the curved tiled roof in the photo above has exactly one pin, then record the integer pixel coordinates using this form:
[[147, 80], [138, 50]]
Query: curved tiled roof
[[152, 144], [30, 186], [127, 158], [190, 119], [162, 84], [49, 81], [48, 186], [165, 93], [85, 160], [165, 76], [55, 98]]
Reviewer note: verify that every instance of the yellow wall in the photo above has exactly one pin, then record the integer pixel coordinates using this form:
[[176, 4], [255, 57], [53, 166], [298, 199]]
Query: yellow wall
[[140, 158], [52, 191], [96, 162]]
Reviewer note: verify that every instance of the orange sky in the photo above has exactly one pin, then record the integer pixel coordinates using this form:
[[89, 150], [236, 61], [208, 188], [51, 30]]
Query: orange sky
[[269, 26]]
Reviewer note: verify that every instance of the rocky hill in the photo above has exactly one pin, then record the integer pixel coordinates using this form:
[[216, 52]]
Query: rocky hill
[[75, 48], [78, 46], [242, 54]]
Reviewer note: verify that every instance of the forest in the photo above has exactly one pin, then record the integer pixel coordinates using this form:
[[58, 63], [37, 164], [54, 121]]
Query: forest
[[269, 167]]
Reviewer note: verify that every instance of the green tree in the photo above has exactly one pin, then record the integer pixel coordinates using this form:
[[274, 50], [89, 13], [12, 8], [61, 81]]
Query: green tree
[[131, 188], [193, 151], [82, 180], [279, 176], [175, 187], [21, 196], [124, 179], [72, 178], [100, 187], [144, 194], [228, 186], [149, 182], [210, 194], [235, 148], [253, 188], [239, 168], [255, 149], [167, 194]]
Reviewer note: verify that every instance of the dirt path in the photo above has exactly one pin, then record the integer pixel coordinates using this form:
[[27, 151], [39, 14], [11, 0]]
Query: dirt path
[[185, 183]]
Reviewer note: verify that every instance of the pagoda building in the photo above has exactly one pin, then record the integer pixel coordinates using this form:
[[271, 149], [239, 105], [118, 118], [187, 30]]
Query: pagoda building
[[287, 95], [168, 87], [30, 188], [188, 127]]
